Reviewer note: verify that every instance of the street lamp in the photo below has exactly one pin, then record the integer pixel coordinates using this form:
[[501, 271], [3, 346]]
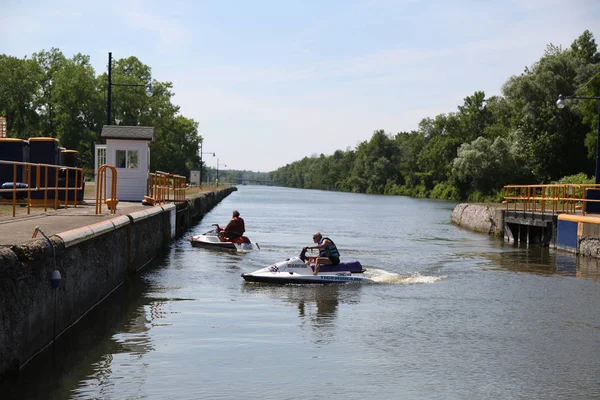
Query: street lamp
[[560, 103], [208, 152], [111, 84], [218, 170]]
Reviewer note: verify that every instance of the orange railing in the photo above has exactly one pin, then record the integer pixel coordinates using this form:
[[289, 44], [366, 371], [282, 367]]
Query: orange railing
[[167, 187], [553, 199], [101, 190], [44, 186]]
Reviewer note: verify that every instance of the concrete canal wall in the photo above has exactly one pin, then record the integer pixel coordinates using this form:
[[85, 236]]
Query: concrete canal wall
[[93, 261], [479, 218], [571, 233]]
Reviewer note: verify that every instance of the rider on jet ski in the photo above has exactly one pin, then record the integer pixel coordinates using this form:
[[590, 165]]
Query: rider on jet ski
[[235, 228], [328, 252]]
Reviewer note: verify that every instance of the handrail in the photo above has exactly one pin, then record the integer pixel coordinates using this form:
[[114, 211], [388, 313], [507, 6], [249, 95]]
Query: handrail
[[551, 198], [167, 187], [76, 184], [101, 192]]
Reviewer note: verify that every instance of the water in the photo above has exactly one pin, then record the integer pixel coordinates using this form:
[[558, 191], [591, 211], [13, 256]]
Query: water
[[454, 315]]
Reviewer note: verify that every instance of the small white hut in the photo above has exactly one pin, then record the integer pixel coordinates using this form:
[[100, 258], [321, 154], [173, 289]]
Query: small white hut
[[127, 148]]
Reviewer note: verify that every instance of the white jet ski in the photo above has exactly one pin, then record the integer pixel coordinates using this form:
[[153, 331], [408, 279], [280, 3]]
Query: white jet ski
[[214, 240], [295, 270]]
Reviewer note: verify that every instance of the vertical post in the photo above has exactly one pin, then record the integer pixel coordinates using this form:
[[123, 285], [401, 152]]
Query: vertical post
[[217, 172], [598, 147], [200, 163], [108, 99]]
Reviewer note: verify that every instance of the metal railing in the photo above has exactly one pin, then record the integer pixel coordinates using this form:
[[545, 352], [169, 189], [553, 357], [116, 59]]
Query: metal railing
[[101, 189], [44, 189], [167, 187], [553, 199]]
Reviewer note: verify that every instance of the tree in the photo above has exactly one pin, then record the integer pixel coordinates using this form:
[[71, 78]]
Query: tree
[[584, 48], [486, 166], [77, 106], [50, 62], [553, 140], [175, 148], [19, 85]]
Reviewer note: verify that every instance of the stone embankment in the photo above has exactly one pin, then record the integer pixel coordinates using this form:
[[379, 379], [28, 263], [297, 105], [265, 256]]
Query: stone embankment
[[93, 261], [488, 219]]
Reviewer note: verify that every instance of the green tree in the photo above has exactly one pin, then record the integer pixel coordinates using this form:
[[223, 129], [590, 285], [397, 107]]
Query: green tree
[[77, 106], [486, 166], [553, 140], [19, 86], [51, 63], [175, 148]]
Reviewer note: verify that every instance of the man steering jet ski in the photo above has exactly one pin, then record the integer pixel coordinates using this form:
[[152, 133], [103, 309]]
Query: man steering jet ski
[[327, 267], [328, 252]]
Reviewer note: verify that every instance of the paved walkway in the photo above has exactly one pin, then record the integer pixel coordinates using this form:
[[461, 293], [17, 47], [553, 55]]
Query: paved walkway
[[19, 229]]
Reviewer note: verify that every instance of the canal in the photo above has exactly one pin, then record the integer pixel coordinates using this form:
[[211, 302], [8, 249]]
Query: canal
[[453, 315]]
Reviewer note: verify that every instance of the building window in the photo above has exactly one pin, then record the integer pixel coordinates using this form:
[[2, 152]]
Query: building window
[[101, 157], [127, 159]]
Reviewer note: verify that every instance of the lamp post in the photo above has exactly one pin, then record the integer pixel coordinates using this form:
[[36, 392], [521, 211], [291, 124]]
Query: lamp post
[[560, 103], [218, 171], [208, 152], [111, 84]]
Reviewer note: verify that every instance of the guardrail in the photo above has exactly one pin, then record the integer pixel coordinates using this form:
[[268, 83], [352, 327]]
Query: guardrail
[[167, 187], [48, 184], [554, 199]]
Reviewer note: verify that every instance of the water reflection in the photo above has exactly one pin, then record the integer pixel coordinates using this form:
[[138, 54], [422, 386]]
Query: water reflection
[[317, 305], [588, 267], [543, 260]]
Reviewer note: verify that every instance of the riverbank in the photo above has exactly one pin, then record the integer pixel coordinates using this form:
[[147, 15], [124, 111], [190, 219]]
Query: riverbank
[[94, 255]]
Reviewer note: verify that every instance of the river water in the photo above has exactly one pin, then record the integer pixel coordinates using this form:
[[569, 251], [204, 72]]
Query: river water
[[453, 315]]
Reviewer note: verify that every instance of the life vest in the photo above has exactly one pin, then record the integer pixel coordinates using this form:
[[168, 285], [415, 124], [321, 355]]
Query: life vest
[[236, 226], [329, 251]]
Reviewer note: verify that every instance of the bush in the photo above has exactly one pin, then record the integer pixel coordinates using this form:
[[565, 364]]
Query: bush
[[444, 190], [579, 178]]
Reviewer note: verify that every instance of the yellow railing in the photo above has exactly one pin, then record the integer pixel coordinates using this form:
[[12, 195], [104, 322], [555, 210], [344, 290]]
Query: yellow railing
[[101, 189], [569, 199], [41, 185], [167, 187]]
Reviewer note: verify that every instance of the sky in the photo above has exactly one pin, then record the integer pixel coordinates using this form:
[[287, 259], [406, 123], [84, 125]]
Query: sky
[[272, 82]]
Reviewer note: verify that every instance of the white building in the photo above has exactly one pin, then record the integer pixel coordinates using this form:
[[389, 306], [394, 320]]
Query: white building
[[127, 148]]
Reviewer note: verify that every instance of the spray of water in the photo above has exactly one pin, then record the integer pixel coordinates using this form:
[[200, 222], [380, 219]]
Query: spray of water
[[381, 276], [246, 247]]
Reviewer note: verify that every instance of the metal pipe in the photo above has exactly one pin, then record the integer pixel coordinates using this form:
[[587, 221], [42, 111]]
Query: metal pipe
[[108, 100]]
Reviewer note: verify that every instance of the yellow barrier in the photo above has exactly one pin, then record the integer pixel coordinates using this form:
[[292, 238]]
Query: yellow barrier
[[101, 192], [167, 187], [75, 184], [554, 198]]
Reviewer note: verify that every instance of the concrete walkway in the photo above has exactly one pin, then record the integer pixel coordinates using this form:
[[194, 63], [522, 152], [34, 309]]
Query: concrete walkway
[[19, 229]]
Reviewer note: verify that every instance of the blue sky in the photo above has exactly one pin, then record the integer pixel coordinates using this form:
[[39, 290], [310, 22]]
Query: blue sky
[[271, 82]]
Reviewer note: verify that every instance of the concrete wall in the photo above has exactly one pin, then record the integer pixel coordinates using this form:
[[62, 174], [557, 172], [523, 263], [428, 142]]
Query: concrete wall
[[479, 218], [573, 233], [93, 261]]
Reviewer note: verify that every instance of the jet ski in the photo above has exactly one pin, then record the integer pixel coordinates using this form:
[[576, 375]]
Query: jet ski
[[213, 239], [295, 270]]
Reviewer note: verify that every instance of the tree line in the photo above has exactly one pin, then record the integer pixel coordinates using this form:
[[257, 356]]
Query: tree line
[[519, 137], [51, 95]]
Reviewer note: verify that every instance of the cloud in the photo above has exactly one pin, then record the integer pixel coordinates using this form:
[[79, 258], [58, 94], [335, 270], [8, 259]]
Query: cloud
[[167, 30]]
